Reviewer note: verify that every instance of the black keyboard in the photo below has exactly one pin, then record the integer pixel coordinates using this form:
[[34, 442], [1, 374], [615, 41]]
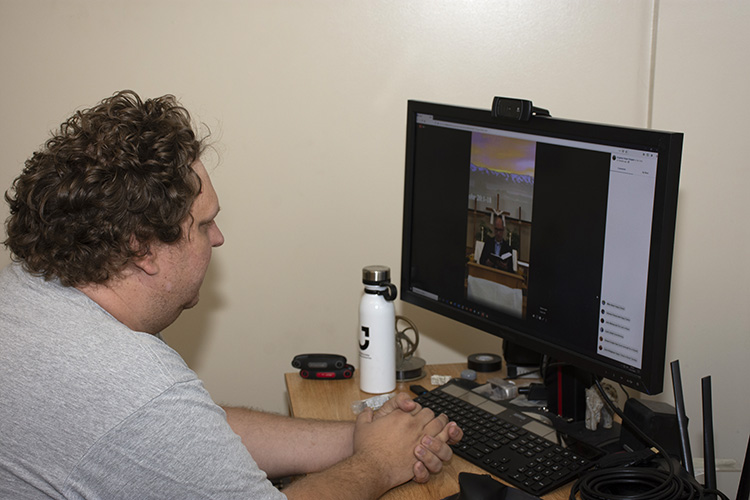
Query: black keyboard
[[504, 441]]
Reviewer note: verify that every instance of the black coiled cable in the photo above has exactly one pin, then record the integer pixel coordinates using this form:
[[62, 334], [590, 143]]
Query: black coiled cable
[[634, 483], [638, 483]]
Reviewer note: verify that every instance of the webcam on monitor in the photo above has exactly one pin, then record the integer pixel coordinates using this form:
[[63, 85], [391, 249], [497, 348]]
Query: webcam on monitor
[[515, 109]]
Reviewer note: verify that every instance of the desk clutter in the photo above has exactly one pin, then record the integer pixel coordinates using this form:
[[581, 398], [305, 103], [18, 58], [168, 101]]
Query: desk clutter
[[620, 465], [539, 454]]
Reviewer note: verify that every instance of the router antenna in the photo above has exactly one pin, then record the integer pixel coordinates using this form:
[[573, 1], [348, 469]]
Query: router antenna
[[708, 436], [682, 419]]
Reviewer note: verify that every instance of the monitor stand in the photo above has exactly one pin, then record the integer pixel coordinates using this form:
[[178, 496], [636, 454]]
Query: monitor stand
[[566, 392], [566, 385], [566, 397]]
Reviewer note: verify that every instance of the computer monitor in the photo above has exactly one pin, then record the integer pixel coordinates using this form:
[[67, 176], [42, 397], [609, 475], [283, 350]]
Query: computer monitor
[[585, 215]]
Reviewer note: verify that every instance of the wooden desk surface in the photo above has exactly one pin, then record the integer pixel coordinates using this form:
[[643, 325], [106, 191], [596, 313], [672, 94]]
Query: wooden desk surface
[[332, 400]]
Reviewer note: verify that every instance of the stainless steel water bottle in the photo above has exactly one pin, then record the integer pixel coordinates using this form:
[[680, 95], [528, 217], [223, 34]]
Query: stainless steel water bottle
[[377, 332]]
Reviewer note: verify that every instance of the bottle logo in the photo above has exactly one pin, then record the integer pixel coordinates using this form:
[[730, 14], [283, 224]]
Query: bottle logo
[[366, 335]]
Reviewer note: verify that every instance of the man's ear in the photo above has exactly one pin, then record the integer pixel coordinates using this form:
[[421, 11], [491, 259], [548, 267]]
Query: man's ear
[[145, 258]]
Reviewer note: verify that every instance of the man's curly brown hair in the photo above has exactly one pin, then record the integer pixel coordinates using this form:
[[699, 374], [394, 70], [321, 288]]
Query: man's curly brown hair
[[113, 179]]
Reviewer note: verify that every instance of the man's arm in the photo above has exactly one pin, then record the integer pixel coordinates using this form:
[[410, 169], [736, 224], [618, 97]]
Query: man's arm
[[283, 446], [320, 444], [383, 458]]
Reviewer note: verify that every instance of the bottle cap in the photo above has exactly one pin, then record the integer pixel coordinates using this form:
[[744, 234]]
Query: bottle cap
[[376, 275]]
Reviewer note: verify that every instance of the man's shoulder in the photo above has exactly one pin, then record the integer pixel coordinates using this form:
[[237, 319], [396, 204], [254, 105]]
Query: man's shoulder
[[55, 339], [72, 373]]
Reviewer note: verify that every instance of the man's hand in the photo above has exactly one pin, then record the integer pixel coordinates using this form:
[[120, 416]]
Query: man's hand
[[382, 456], [433, 449], [387, 444]]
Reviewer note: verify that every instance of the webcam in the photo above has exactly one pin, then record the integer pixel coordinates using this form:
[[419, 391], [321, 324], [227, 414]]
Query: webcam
[[515, 109]]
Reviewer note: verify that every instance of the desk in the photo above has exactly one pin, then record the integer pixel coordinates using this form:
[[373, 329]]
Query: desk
[[332, 399]]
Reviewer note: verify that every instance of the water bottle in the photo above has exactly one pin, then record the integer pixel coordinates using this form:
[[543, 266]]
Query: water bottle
[[377, 332]]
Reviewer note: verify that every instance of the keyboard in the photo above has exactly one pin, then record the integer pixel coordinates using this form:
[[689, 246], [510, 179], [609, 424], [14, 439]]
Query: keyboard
[[505, 441]]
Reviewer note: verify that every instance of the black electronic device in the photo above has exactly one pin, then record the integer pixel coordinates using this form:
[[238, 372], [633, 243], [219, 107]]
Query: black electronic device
[[658, 420], [709, 455], [515, 109], [484, 487], [508, 441], [686, 455], [589, 216], [566, 389], [330, 374], [515, 354], [417, 389], [319, 362], [743, 489]]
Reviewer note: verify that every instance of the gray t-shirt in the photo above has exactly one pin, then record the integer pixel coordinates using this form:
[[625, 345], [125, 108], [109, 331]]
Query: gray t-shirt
[[92, 409]]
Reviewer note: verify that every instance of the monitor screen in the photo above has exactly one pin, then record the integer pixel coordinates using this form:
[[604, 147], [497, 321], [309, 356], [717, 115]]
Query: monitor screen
[[553, 234]]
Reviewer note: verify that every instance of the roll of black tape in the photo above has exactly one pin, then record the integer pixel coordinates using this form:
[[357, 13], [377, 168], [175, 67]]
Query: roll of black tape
[[484, 362]]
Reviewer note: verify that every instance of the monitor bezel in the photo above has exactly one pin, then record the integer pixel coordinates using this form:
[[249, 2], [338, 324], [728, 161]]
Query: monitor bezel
[[668, 145]]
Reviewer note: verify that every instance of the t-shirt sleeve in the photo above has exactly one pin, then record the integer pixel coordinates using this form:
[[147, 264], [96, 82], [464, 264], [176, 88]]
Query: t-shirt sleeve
[[178, 445]]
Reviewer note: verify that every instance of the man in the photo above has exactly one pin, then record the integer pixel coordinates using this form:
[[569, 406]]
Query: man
[[111, 230], [498, 253]]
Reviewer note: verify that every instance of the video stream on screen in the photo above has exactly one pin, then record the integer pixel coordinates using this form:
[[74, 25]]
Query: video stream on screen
[[550, 229], [501, 191]]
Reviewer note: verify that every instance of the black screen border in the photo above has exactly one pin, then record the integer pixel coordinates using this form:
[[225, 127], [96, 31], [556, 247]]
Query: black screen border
[[650, 378]]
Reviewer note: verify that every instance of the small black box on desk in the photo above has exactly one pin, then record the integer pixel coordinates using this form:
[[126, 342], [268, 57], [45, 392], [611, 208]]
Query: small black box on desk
[[658, 420]]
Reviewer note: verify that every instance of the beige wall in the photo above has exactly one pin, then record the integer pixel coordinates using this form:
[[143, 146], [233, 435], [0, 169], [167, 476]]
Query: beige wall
[[307, 101]]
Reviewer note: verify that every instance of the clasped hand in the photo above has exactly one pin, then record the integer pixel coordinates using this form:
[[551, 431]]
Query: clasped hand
[[405, 440]]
